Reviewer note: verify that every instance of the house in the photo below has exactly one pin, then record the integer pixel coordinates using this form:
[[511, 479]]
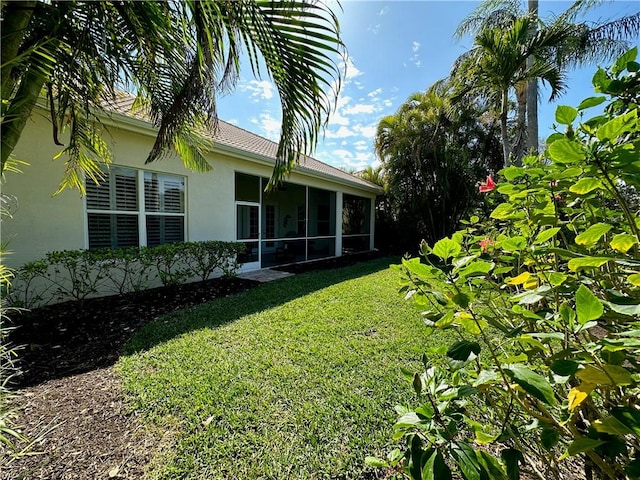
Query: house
[[319, 212]]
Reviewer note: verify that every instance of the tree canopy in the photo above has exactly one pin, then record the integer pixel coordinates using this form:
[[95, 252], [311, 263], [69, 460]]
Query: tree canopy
[[433, 156], [177, 57], [572, 42]]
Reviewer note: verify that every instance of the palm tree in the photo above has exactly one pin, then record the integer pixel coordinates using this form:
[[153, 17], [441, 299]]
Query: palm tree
[[432, 157], [582, 44], [177, 57], [499, 63]]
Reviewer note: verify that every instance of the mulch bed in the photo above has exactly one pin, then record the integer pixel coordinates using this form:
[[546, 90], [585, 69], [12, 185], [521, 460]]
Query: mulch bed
[[69, 390]]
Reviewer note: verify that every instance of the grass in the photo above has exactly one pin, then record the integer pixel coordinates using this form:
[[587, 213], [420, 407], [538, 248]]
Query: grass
[[293, 379]]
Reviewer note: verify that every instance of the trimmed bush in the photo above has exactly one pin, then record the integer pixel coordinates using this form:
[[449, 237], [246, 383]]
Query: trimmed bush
[[79, 274]]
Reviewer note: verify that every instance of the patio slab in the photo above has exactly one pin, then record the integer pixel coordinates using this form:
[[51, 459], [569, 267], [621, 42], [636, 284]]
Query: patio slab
[[264, 275]]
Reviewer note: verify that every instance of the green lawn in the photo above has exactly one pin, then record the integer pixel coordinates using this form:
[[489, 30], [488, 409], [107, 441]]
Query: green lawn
[[293, 379]]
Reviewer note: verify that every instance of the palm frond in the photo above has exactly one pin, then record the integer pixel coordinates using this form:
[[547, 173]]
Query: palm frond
[[487, 14], [87, 152]]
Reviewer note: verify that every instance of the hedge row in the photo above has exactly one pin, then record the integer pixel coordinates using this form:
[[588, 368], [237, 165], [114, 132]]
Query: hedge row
[[78, 274]]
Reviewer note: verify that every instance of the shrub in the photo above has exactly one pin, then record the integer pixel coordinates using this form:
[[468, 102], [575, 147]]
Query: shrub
[[78, 274], [545, 299]]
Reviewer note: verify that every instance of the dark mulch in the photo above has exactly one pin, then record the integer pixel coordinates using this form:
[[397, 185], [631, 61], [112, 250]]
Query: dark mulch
[[74, 337], [70, 392]]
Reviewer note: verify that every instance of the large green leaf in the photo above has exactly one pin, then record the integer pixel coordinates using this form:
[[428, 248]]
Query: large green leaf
[[415, 266], [623, 60], [582, 444], [533, 383], [612, 426], [564, 367], [624, 309], [628, 416], [462, 349], [502, 211], [545, 235], [512, 459], [605, 375], [467, 461], [585, 185], [478, 267], [492, 466], [623, 242], [579, 263], [446, 248], [565, 115], [512, 172], [588, 307], [549, 436], [567, 173], [591, 102], [592, 234], [566, 151], [618, 126], [435, 467]]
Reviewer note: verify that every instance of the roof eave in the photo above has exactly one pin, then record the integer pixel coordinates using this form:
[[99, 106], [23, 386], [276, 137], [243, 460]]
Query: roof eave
[[137, 125]]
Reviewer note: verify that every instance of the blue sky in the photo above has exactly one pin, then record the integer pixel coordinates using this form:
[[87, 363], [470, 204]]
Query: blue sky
[[395, 48]]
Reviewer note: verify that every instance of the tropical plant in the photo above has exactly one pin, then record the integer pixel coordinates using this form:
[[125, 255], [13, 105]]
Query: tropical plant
[[432, 158], [544, 297], [585, 43], [498, 64], [79, 274], [176, 56]]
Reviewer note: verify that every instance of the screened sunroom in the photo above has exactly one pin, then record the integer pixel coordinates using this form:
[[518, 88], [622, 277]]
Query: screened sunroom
[[297, 223]]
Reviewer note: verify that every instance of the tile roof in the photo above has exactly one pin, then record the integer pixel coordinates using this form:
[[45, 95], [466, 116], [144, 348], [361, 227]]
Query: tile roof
[[238, 138]]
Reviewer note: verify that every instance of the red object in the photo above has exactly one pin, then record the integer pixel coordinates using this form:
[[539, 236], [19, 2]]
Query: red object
[[485, 242], [488, 185]]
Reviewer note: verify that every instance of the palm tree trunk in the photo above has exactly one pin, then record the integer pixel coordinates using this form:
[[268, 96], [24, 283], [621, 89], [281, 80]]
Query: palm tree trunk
[[19, 111], [532, 93], [504, 132], [520, 144], [16, 17]]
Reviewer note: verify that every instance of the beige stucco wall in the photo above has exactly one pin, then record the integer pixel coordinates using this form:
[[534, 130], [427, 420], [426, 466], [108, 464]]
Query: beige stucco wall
[[42, 222]]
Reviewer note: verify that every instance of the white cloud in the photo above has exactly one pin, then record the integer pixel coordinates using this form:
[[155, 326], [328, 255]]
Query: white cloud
[[269, 126], [415, 59], [351, 70], [364, 157], [375, 93], [359, 108], [342, 132], [258, 89], [374, 28], [384, 11], [338, 119], [342, 154], [361, 145], [368, 131], [387, 103]]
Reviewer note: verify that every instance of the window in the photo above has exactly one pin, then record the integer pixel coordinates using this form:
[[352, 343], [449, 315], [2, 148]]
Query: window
[[356, 224], [117, 216], [164, 208]]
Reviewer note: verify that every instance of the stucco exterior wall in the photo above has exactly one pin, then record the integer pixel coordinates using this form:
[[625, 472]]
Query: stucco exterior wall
[[42, 222]]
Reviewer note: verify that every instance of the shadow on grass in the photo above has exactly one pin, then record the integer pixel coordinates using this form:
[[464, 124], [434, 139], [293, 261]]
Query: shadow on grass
[[68, 339], [263, 297]]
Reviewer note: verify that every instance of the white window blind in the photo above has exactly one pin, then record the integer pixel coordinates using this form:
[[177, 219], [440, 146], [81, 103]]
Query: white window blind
[[116, 219]]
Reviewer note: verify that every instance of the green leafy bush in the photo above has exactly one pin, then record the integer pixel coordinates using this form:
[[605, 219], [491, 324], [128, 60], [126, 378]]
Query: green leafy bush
[[78, 274], [544, 297]]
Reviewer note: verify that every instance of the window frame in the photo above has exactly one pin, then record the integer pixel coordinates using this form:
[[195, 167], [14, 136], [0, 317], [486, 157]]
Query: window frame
[[141, 211]]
